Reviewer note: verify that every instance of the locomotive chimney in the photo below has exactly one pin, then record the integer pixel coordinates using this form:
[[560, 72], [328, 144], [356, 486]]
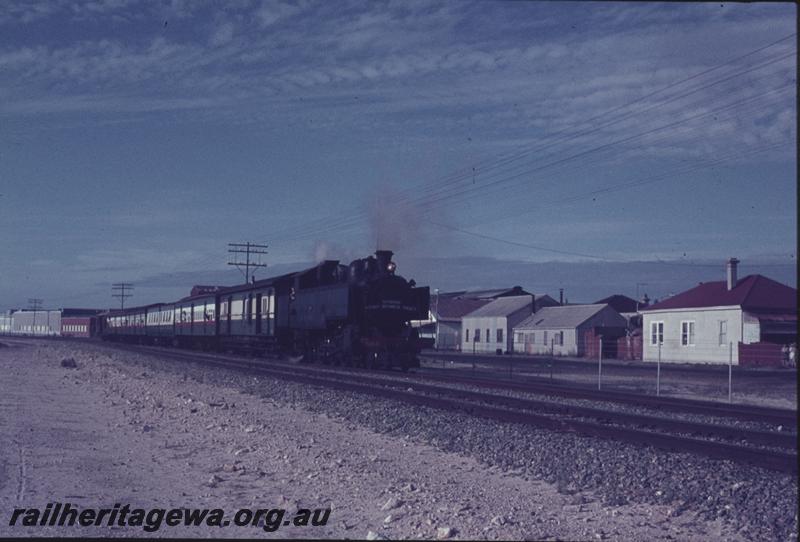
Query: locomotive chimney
[[384, 259], [561, 296], [732, 275], [533, 304]]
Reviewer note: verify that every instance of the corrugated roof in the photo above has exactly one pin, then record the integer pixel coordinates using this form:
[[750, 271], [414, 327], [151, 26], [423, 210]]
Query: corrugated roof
[[621, 303], [753, 292], [502, 306], [456, 307], [488, 294], [562, 317]]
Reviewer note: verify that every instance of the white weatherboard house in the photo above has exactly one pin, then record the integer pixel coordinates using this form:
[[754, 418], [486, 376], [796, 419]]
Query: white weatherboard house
[[708, 323], [561, 330], [489, 328]]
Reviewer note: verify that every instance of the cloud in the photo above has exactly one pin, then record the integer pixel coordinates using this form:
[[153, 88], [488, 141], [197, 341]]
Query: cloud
[[270, 13], [222, 34]]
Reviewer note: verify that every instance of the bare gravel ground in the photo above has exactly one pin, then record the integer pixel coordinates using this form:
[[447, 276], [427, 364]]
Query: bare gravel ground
[[127, 428]]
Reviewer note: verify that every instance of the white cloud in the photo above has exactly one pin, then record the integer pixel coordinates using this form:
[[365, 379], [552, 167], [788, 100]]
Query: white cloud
[[222, 34], [273, 11]]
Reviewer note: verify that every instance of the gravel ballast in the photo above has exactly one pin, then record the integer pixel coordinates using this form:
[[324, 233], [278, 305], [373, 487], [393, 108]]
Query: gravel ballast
[[169, 434]]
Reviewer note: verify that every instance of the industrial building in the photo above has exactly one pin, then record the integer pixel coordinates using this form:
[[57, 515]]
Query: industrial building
[[64, 322], [488, 329], [443, 327], [561, 331], [38, 322]]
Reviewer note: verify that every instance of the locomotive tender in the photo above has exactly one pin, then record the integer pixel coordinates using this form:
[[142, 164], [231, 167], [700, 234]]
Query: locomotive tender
[[330, 313]]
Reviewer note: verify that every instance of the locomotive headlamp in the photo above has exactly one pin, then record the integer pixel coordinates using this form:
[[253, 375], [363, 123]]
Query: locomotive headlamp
[[391, 267]]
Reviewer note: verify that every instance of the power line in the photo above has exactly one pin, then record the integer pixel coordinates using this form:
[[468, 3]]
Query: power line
[[620, 186], [349, 222], [437, 190], [118, 290], [247, 249]]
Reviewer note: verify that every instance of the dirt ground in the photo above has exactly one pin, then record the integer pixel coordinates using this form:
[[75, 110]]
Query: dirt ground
[[111, 431]]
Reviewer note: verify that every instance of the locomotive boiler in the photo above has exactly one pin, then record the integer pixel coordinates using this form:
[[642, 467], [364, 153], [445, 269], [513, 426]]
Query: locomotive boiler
[[356, 314]]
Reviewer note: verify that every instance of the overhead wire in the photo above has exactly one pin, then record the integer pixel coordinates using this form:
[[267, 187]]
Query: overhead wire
[[349, 222], [502, 160]]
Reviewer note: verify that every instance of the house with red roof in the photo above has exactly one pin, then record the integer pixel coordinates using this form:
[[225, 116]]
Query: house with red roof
[[747, 321]]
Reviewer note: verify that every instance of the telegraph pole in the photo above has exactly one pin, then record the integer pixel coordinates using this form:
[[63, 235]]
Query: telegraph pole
[[247, 249], [34, 304], [118, 289], [637, 293]]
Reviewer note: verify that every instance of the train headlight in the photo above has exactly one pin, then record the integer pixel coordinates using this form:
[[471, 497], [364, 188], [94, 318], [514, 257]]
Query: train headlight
[[391, 267]]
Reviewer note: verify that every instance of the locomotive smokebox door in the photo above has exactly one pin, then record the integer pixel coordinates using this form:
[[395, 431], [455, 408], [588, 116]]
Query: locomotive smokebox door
[[385, 264]]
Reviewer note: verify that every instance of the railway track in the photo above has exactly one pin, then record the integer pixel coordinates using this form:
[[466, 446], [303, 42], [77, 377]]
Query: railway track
[[766, 449], [545, 386], [542, 385]]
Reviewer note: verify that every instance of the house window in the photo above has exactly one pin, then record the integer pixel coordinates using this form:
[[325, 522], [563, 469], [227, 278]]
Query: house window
[[559, 338], [499, 335], [478, 335], [519, 337], [545, 338], [723, 332], [687, 333], [488, 339], [466, 335], [656, 333]]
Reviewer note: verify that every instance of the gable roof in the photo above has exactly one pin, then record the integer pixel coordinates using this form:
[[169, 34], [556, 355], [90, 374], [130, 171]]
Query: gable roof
[[561, 317], [753, 292], [502, 306], [622, 303], [488, 295], [453, 308]]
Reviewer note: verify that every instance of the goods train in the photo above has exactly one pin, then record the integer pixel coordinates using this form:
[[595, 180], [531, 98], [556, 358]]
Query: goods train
[[330, 313]]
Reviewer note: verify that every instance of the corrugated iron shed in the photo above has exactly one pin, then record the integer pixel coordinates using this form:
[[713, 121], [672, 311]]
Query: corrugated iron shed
[[502, 306], [564, 317]]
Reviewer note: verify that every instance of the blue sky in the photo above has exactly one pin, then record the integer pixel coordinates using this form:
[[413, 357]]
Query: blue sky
[[137, 139]]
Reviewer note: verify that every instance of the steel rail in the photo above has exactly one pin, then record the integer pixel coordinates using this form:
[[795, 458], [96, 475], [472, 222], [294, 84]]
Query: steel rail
[[778, 416], [765, 458]]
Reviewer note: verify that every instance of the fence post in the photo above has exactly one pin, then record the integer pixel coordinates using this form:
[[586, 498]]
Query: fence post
[[599, 361], [552, 353], [473, 355], [730, 372], [658, 372]]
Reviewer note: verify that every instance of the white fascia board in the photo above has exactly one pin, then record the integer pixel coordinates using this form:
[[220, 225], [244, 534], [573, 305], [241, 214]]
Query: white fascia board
[[692, 309]]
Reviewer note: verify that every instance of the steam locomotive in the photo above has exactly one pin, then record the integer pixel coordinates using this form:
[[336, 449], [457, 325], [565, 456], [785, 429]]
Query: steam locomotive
[[330, 313]]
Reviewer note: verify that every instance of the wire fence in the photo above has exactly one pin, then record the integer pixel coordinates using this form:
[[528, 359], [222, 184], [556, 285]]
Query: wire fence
[[680, 367]]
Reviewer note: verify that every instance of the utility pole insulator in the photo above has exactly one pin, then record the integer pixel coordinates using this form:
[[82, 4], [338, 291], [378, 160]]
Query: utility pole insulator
[[247, 249], [118, 290]]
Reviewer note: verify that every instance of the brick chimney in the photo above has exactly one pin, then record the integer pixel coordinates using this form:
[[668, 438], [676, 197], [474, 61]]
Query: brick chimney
[[732, 275]]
